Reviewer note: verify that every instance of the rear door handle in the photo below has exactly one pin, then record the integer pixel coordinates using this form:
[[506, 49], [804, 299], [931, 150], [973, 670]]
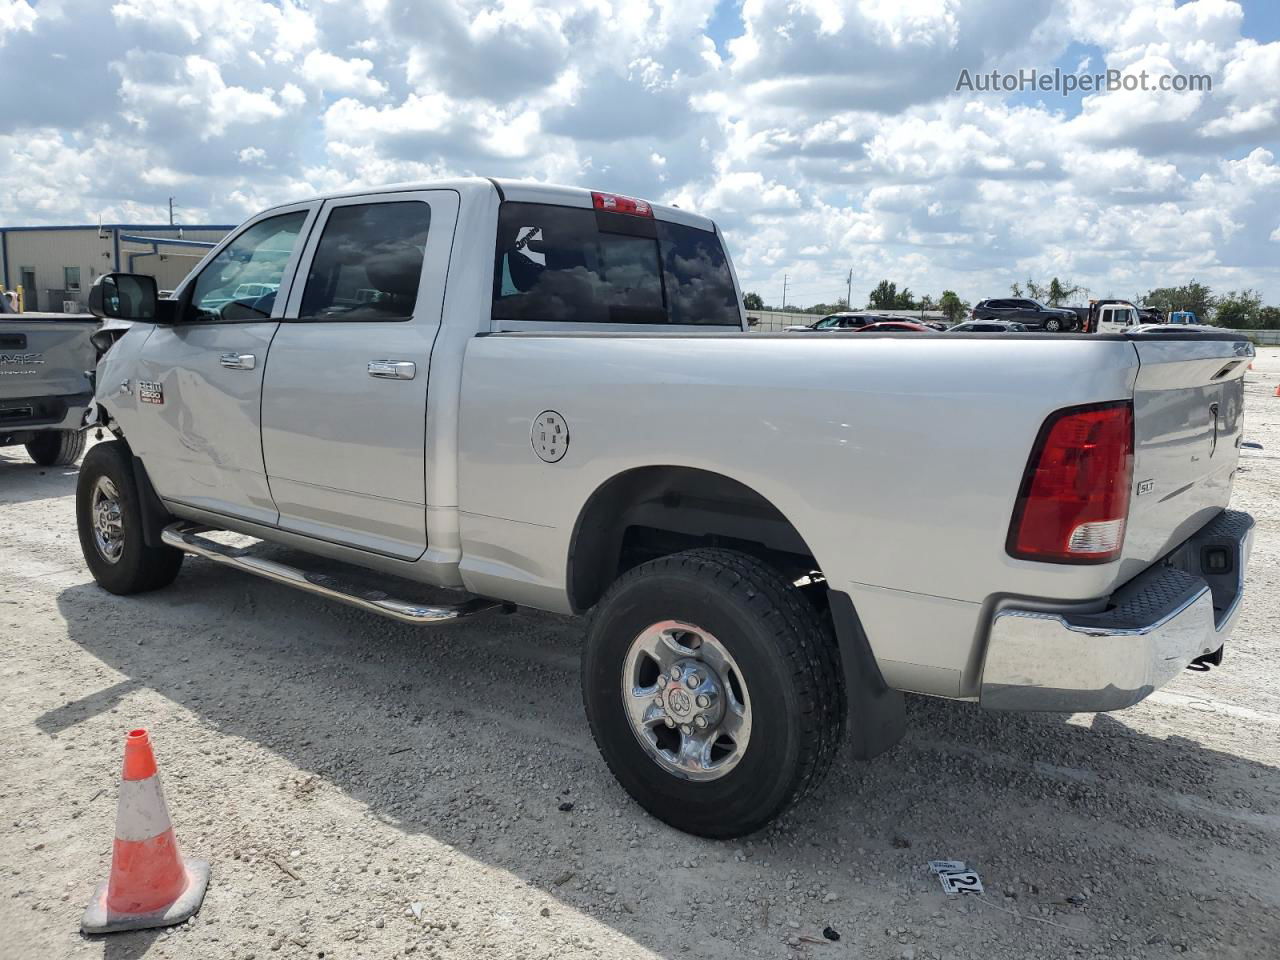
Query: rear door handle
[[238, 361], [393, 369]]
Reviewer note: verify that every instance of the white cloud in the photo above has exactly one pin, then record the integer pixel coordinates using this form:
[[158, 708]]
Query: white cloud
[[193, 86], [336, 75], [15, 16]]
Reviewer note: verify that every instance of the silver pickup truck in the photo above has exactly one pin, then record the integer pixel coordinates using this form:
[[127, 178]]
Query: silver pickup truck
[[547, 396], [46, 360]]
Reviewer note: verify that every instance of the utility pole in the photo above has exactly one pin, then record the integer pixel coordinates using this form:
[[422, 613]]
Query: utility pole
[[848, 297], [171, 211], [784, 292]]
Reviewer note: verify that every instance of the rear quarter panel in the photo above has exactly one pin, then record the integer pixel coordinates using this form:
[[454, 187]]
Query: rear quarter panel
[[897, 458]]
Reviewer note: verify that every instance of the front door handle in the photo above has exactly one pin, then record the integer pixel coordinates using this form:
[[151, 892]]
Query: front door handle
[[238, 361], [393, 369]]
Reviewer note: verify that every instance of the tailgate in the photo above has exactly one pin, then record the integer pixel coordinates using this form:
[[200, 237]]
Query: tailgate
[[1188, 407], [40, 358]]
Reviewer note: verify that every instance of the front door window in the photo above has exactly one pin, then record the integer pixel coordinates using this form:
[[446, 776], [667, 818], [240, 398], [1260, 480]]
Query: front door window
[[242, 280]]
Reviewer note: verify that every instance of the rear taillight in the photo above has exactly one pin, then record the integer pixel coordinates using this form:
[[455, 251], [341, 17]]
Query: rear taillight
[[1074, 498], [616, 203]]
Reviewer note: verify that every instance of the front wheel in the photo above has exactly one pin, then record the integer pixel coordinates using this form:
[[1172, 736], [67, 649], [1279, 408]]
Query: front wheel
[[57, 448], [109, 518], [1053, 325], [713, 689]]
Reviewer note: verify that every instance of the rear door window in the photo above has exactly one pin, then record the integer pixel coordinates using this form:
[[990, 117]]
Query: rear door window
[[576, 265], [368, 262]]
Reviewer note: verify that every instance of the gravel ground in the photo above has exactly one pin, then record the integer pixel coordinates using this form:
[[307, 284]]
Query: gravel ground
[[365, 789]]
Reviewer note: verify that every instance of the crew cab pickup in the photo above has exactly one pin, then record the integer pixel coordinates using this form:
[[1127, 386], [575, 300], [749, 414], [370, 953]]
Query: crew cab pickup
[[46, 360], [546, 396]]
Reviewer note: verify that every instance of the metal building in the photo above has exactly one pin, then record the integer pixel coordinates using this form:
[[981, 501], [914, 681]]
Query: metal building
[[55, 266]]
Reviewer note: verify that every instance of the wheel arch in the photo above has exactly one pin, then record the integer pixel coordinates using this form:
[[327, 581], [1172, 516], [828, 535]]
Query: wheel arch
[[649, 511], [689, 507]]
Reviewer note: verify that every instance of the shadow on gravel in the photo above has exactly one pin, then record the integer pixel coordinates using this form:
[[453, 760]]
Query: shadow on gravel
[[22, 481], [475, 735], [130, 946], [72, 712]]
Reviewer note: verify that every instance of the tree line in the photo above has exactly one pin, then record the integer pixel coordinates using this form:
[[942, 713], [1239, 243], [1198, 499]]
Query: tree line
[[1237, 309], [886, 296]]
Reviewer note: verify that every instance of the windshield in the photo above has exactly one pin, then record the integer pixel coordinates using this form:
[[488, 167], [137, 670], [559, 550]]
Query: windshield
[[572, 264]]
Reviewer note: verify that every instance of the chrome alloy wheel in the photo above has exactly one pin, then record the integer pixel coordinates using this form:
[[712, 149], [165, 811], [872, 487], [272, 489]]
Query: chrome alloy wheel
[[686, 700], [108, 520]]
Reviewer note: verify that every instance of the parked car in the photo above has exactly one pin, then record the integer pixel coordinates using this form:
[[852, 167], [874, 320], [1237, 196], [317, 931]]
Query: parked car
[[896, 326], [1031, 313], [989, 326], [937, 325], [708, 502], [1150, 315], [45, 362], [836, 322]]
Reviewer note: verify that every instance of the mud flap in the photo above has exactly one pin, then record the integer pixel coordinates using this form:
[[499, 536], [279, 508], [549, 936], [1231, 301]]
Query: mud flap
[[877, 714], [154, 516]]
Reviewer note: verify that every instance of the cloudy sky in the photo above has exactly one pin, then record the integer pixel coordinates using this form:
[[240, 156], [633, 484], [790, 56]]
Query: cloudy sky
[[824, 135]]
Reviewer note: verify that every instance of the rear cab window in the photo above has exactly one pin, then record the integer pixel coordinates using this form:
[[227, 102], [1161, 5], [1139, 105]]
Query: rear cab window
[[576, 265]]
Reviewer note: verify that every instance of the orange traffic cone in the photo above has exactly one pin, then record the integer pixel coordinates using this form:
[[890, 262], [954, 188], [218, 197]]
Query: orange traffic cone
[[151, 885]]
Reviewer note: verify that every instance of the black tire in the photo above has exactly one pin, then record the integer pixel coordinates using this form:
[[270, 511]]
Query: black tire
[[790, 669], [1053, 325], [137, 567], [57, 448]]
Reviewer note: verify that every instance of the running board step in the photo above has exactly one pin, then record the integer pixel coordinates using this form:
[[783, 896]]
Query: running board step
[[186, 537]]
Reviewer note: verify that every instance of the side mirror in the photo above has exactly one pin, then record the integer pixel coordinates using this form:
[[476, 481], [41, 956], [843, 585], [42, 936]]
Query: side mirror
[[124, 296]]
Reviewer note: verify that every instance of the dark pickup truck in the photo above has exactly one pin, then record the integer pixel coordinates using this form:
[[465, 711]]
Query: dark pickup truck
[[45, 386]]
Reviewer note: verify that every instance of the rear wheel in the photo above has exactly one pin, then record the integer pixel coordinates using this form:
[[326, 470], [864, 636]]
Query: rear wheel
[[1053, 325], [109, 518], [57, 448], [713, 689]]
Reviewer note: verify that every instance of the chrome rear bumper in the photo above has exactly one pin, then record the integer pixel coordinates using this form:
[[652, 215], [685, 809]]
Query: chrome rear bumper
[[1151, 628]]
